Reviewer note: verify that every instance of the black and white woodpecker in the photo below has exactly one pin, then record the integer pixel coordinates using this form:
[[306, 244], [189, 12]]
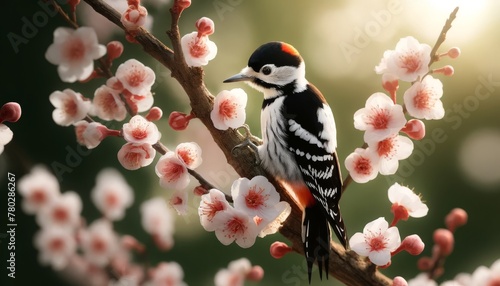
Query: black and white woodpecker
[[299, 143]]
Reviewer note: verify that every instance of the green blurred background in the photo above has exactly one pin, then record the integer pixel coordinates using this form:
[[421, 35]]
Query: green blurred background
[[341, 43]]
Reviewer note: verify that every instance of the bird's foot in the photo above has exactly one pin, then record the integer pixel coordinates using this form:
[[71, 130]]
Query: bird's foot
[[250, 141]]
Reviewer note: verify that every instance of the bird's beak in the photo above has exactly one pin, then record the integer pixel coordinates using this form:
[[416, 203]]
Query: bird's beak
[[238, 77]]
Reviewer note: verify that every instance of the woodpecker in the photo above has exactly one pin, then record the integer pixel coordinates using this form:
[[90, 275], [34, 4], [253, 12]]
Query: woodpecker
[[299, 144]]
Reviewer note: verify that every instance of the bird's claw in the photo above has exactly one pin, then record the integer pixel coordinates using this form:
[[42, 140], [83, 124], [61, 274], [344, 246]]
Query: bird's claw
[[250, 141]]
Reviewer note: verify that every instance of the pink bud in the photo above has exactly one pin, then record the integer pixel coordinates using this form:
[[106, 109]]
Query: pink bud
[[154, 114], [129, 242], [453, 52], [10, 112], [412, 244], [180, 5], [134, 3], [179, 121], [400, 213], [205, 26], [425, 263], [114, 50], [72, 4], [256, 274], [446, 70], [445, 240], [415, 129], [278, 249], [456, 218], [399, 281], [390, 83], [200, 191]]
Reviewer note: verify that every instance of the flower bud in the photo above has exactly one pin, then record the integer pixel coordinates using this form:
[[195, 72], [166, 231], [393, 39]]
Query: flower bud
[[10, 112], [446, 70], [425, 263], [179, 121], [114, 50], [412, 244], [154, 114], [200, 191], [180, 5], [278, 249], [456, 218], [445, 240], [415, 129], [256, 274], [134, 3], [205, 26], [129, 242], [390, 83], [72, 4], [454, 52]]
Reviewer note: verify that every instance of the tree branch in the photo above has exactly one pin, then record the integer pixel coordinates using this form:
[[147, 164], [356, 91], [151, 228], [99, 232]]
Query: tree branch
[[346, 266], [442, 36]]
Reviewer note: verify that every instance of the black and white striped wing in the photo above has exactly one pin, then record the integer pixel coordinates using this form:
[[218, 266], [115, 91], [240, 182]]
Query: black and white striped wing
[[311, 137]]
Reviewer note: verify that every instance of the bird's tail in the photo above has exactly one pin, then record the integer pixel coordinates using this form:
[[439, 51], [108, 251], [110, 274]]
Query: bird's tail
[[316, 238]]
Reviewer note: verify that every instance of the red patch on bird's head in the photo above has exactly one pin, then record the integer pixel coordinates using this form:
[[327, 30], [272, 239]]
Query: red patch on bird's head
[[289, 49]]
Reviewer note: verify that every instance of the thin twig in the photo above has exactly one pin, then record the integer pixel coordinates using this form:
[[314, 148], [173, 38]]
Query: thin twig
[[442, 36], [64, 14]]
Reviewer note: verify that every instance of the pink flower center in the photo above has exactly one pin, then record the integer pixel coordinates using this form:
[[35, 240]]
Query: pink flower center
[[60, 214], [133, 158], [111, 200], [199, 48], [56, 244], [136, 78], [363, 166], [376, 243], [227, 109], [212, 208], [385, 147], [98, 244], [74, 49], [185, 156], [236, 226], [38, 196], [70, 107], [108, 103], [410, 62], [254, 199], [380, 119], [173, 171], [422, 100], [139, 133]]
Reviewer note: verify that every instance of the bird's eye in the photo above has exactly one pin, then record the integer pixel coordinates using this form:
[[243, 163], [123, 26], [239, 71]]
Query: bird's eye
[[266, 70]]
